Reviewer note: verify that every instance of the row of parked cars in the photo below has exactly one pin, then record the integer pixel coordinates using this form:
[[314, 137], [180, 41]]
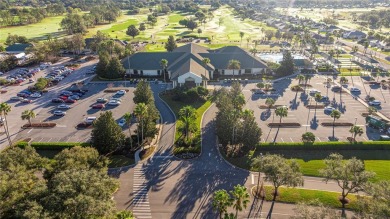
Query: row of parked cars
[[58, 74], [115, 100], [22, 75], [67, 96]]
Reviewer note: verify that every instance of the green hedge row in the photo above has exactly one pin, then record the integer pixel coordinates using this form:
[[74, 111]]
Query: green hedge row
[[369, 145], [53, 145], [182, 150]]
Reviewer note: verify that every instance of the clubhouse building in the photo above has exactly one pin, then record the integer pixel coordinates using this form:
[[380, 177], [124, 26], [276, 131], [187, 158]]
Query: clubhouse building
[[185, 64]]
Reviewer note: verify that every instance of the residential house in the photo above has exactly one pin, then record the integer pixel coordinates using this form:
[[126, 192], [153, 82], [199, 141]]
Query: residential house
[[185, 64], [354, 34]]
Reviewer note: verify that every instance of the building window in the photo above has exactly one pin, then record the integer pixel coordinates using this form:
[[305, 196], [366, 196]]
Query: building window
[[158, 72], [223, 72], [248, 71], [142, 72]]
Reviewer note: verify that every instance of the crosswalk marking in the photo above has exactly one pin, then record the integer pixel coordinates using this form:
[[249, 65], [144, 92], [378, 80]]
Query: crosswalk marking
[[141, 206]]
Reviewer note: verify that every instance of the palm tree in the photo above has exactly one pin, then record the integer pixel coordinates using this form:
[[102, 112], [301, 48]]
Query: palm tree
[[281, 111], [317, 98], [241, 36], [335, 114], [248, 41], [300, 78], [372, 110], [28, 115], [128, 117], [269, 102], [260, 85], [164, 65], [356, 130], [365, 47], [205, 62], [253, 51], [221, 201], [240, 198], [187, 115], [140, 111], [234, 64], [4, 110]]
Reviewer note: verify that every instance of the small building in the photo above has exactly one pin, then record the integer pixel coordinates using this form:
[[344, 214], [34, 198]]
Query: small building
[[355, 34], [185, 64]]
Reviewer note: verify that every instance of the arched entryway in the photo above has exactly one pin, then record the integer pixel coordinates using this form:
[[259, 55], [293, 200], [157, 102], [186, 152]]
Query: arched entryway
[[190, 82]]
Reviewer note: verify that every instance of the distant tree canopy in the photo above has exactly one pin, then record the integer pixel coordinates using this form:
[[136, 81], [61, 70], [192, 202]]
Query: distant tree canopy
[[377, 19]]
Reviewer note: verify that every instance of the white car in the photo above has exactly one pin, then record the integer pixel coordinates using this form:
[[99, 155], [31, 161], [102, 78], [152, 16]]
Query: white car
[[354, 89], [89, 120], [314, 91], [16, 98], [113, 103], [329, 109], [115, 99], [374, 103], [63, 106], [121, 92], [122, 122], [36, 95], [59, 113]]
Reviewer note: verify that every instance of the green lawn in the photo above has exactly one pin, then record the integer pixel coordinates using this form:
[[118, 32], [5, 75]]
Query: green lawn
[[296, 195], [311, 161], [120, 161]]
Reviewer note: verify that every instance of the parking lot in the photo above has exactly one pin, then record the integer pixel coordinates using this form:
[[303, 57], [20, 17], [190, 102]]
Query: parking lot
[[310, 119]]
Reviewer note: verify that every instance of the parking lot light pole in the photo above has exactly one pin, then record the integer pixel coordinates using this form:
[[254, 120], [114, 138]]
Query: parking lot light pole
[[258, 179]]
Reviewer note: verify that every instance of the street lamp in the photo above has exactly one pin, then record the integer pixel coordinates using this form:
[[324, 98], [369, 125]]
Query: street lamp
[[258, 179]]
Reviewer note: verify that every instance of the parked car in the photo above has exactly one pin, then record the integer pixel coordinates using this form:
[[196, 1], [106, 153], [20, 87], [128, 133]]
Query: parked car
[[74, 97], [115, 99], [36, 95], [384, 138], [98, 106], [63, 97], [122, 122], [114, 103], [89, 120], [101, 100], [26, 101], [314, 91], [374, 103], [23, 95], [70, 101], [328, 109], [325, 98], [59, 113], [354, 89], [63, 106], [16, 98], [258, 91], [121, 92], [336, 88], [57, 100]]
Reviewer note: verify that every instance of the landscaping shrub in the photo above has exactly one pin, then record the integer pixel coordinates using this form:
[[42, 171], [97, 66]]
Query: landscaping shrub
[[41, 84], [368, 145], [53, 145], [284, 124], [39, 125], [183, 150], [337, 124]]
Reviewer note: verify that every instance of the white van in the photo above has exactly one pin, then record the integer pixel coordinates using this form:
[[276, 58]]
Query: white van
[[89, 120]]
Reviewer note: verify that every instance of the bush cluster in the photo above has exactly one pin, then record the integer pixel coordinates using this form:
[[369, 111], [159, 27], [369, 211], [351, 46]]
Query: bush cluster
[[369, 145], [53, 145], [189, 95], [183, 150], [41, 84]]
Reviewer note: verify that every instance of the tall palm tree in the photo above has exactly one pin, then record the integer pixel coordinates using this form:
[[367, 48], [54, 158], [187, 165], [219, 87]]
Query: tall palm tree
[[269, 102], [234, 64], [253, 51], [28, 115], [241, 36], [335, 114], [128, 117], [356, 130], [240, 198], [281, 111], [317, 98], [300, 78], [187, 115], [140, 111], [205, 62], [4, 110], [221, 201], [164, 65]]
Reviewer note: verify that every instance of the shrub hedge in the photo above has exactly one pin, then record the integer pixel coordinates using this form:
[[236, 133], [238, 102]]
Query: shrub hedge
[[182, 150], [53, 145], [368, 145]]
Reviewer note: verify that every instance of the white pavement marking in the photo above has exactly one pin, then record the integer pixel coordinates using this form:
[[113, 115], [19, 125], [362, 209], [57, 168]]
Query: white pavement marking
[[30, 130], [141, 206], [291, 140], [305, 125], [319, 139], [365, 139], [253, 179], [282, 139]]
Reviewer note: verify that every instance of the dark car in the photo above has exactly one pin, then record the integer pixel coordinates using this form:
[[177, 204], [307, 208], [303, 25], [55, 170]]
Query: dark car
[[23, 95], [98, 106], [57, 100], [70, 101]]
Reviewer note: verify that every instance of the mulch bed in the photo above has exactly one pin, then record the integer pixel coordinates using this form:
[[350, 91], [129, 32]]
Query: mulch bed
[[337, 124], [307, 85], [39, 125], [284, 125], [315, 107], [297, 89], [372, 82], [114, 90], [266, 107]]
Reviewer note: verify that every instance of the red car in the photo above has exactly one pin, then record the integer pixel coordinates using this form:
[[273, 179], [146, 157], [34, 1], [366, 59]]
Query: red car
[[70, 101], [98, 106], [63, 97]]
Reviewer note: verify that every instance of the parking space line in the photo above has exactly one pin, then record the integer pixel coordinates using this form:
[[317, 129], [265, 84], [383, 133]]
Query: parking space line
[[291, 140], [365, 139], [40, 140], [30, 130], [319, 139], [49, 140], [253, 179], [282, 139]]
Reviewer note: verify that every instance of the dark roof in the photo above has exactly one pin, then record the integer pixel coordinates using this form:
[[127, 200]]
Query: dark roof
[[191, 65], [17, 47], [191, 48], [221, 60], [228, 49], [150, 60]]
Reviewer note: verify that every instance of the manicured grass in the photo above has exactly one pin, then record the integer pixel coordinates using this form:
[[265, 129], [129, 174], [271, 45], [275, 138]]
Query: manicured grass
[[296, 195], [311, 161], [120, 161]]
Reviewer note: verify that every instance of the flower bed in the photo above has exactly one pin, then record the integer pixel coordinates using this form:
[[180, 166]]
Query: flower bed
[[337, 124], [39, 125], [284, 125]]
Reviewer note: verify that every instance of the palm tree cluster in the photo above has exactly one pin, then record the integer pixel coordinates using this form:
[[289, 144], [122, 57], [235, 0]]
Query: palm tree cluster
[[238, 199], [4, 110]]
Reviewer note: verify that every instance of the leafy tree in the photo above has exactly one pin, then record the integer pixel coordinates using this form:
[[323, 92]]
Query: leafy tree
[[269, 102], [13, 38], [183, 22], [234, 65], [343, 80], [128, 117], [280, 172], [187, 115], [28, 115], [191, 24], [152, 20], [73, 23], [300, 78], [253, 51], [164, 65], [132, 31], [249, 131], [281, 111], [143, 93], [269, 34], [221, 201], [77, 159], [356, 130], [308, 137], [317, 98], [335, 114], [103, 65], [5, 108], [378, 206], [170, 45], [124, 214], [107, 135], [240, 198], [350, 175], [142, 27], [287, 64], [260, 85], [140, 111], [116, 69], [199, 31], [372, 110]]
